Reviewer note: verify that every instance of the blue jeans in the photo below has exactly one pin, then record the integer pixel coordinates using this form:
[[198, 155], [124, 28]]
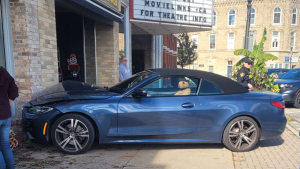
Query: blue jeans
[[6, 155]]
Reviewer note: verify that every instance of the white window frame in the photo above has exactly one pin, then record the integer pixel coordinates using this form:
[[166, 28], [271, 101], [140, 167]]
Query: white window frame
[[294, 13], [274, 16], [210, 42], [214, 19], [196, 41], [229, 63], [294, 43], [8, 46], [278, 39], [254, 19], [228, 23], [228, 41]]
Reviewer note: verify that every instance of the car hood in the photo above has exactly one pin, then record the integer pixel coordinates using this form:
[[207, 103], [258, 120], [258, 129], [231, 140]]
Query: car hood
[[70, 90], [286, 81]]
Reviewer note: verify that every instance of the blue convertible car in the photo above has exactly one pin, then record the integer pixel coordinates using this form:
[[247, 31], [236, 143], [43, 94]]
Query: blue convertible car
[[154, 106]]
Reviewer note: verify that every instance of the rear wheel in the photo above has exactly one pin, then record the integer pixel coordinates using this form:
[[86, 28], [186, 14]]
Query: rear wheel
[[297, 101], [72, 134], [241, 134]]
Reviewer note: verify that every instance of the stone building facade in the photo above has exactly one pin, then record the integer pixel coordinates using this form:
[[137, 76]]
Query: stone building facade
[[280, 18]]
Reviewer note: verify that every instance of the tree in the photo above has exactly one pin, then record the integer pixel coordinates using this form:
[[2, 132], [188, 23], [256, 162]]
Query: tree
[[186, 50], [258, 70]]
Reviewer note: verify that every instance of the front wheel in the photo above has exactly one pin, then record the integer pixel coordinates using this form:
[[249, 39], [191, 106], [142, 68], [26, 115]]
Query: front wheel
[[241, 134], [72, 134], [297, 101]]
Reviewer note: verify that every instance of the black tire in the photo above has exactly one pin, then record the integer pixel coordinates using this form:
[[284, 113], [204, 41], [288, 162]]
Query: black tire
[[297, 101], [72, 140], [238, 140]]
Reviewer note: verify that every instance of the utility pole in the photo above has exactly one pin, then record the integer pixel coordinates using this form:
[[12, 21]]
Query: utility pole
[[249, 6]]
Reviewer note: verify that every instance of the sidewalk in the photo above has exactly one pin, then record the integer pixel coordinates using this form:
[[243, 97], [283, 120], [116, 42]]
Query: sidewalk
[[282, 152], [294, 118]]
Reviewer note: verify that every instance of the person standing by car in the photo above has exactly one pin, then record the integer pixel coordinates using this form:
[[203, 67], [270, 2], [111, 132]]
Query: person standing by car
[[244, 76], [8, 93], [124, 70]]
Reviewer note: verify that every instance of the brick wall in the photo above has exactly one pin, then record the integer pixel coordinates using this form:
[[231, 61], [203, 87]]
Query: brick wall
[[34, 45], [107, 54], [26, 52], [169, 51], [48, 42]]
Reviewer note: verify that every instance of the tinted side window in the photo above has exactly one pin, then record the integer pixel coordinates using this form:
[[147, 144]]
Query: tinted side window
[[208, 88], [172, 86]]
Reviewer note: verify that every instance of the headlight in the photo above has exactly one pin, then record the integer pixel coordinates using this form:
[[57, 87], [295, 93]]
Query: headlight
[[39, 110], [286, 86]]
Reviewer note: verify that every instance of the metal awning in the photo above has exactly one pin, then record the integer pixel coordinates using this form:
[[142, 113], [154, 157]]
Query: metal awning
[[91, 9]]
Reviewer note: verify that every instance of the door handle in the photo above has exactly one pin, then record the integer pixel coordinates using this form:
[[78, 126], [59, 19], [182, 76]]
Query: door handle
[[188, 105]]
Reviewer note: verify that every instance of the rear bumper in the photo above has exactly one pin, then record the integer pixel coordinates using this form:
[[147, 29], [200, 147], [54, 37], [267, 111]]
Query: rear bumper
[[35, 124], [274, 128]]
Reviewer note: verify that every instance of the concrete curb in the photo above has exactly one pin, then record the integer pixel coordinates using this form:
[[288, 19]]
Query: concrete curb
[[294, 131]]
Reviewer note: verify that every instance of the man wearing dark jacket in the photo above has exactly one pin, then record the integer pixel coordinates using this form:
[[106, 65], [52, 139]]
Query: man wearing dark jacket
[[8, 93], [244, 75]]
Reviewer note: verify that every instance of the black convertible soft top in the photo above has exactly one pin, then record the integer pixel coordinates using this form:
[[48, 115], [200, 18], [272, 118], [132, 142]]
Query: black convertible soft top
[[227, 85]]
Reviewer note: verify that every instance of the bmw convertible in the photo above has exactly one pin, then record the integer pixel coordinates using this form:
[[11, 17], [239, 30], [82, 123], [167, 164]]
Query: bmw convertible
[[154, 106]]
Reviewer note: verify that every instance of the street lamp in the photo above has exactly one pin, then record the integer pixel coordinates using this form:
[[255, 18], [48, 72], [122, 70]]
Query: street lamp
[[249, 6]]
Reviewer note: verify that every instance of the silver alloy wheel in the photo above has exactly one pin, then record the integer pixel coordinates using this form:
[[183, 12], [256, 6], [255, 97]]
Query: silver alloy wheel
[[242, 134], [72, 135]]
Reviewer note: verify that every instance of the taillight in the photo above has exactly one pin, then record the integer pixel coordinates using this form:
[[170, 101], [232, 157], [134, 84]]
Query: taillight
[[278, 105]]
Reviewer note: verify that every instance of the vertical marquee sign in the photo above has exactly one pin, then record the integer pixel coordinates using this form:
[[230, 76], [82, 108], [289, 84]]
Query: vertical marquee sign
[[187, 12]]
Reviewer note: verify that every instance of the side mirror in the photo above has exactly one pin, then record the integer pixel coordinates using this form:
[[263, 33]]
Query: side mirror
[[139, 93]]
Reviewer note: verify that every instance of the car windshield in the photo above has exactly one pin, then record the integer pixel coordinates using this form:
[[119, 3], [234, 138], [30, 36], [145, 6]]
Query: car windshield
[[293, 74], [270, 71], [130, 83]]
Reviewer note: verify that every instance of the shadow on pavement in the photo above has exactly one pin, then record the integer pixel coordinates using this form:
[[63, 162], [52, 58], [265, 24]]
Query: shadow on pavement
[[158, 146], [277, 141]]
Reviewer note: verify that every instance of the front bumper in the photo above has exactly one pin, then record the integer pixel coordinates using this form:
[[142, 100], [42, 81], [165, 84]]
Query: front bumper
[[35, 124], [289, 95]]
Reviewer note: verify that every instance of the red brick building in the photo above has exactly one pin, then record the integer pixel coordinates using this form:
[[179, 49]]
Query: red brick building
[[169, 51]]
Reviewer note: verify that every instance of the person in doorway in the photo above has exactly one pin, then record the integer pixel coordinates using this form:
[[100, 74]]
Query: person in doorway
[[124, 70], [244, 76], [8, 93]]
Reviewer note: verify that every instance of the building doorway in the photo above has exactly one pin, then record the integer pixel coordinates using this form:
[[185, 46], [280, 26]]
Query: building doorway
[[229, 71], [138, 61], [69, 27]]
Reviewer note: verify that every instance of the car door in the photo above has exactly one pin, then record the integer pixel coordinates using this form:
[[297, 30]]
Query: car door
[[170, 108], [216, 108]]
